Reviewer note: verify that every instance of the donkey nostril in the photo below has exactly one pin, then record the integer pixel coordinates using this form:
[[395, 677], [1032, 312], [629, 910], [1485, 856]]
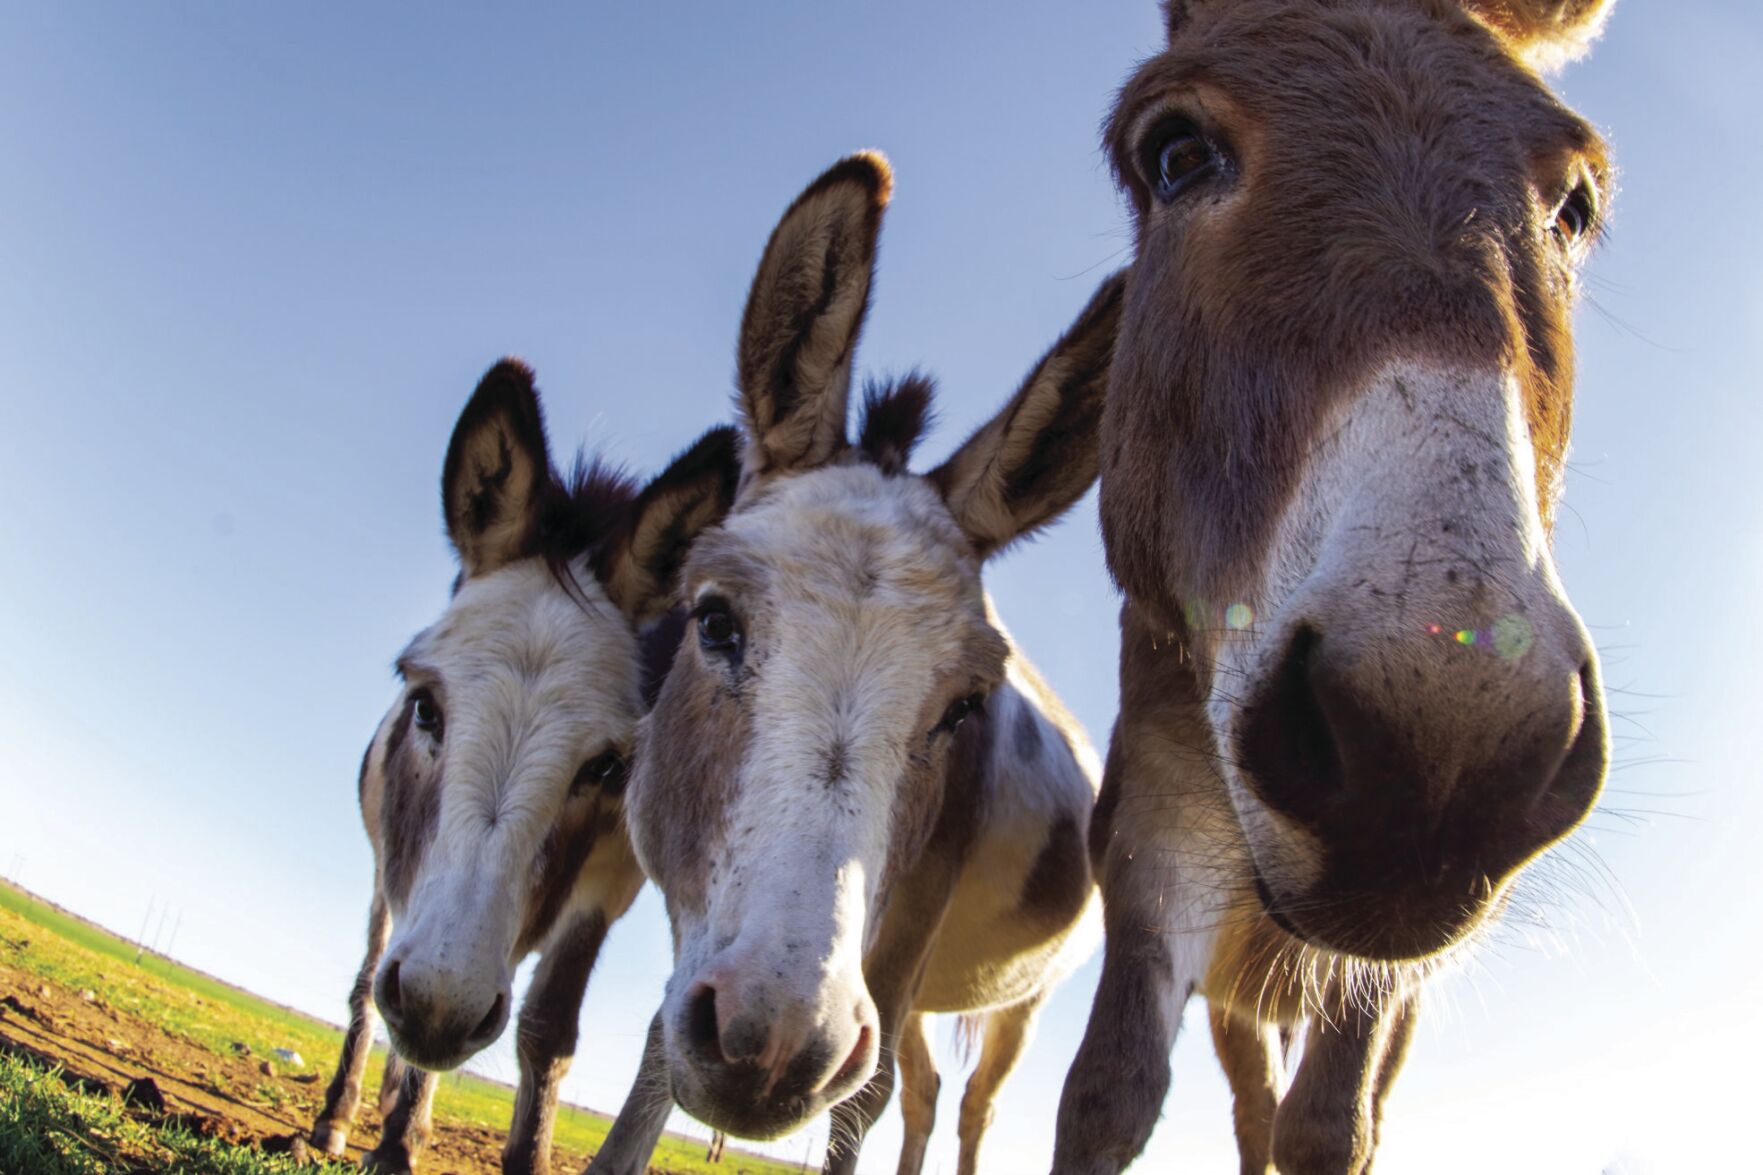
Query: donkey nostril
[[391, 996], [1574, 787], [1313, 742], [491, 1024], [701, 1028], [1288, 742], [849, 1068]]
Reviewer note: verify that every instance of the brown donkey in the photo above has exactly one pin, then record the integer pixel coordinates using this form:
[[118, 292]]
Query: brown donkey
[[492, 791], [1355, 700], [859, 800]]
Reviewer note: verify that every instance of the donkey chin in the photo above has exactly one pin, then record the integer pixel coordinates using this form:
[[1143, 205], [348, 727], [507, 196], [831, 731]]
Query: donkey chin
[[1392, 923], [744, 1099]]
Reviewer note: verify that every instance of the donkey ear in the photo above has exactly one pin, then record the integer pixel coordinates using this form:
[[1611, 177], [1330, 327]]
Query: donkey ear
[[1175, 15], [1038, 456], [804, 314], [640, 566], [497, 470], [1545, 34]]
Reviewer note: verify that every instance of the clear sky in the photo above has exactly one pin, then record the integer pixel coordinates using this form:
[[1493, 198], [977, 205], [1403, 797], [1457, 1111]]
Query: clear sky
[[253, 259]]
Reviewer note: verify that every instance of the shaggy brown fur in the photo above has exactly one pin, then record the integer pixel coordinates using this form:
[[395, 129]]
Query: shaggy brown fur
[[1545, 33], [1368, 228], [1388, 182]]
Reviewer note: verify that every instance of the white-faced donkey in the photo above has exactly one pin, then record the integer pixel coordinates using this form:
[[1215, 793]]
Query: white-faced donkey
[[493, 790], [860, 802]]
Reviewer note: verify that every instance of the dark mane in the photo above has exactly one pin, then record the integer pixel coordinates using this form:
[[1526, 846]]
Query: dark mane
[[896, 414], [599, 489], [581, 510]]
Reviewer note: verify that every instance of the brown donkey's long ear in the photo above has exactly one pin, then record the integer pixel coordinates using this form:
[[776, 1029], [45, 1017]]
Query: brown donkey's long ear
[[497, 471], [1038, 455], [1175, 14], [640, 566], [804, 314], [1545, 34]]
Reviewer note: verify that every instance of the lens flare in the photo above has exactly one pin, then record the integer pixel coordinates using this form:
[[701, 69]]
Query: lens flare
[[1513, 636], [1464, 636], [1239, 616]]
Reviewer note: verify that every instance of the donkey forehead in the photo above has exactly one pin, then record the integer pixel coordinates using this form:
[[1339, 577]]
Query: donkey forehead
[[1395, 173], [1350, 84], [843, 535], [519, 627]]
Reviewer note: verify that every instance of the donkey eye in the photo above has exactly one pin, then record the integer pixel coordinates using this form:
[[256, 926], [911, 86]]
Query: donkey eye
[[717, 630], [425, 712], [959, 712], [1179, 155], [1575, 216], [606, 771]]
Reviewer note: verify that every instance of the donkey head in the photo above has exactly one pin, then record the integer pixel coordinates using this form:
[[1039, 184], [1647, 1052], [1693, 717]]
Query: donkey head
[[1335, 438], [819, 739], [503, 762]]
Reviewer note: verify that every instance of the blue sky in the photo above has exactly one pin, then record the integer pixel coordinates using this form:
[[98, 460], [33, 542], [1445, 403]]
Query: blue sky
[[253, 260]]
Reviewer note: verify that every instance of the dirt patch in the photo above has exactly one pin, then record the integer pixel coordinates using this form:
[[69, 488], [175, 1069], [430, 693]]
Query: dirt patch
[[105, 1050]]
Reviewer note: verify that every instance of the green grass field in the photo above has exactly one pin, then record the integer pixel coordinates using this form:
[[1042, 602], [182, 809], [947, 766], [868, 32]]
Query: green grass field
[[213, 1015], [48, 1127]]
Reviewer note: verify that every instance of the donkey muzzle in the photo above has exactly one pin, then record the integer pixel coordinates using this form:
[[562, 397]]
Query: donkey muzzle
[[438, 1019]]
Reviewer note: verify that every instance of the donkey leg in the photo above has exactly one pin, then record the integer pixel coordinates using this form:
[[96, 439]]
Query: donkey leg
[[641, 1120], [1251, 1054], [408, 1126], [1008, 1031], [919, 1086], [1327, 1123], [391, 1082], [546, 1040], [1162, 838], [1395, 1052], [342, 1100], [1114, 1092]]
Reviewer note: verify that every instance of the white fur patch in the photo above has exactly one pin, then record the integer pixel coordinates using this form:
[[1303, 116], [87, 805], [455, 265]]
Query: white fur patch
[[872, 610], [871, 596], [1414, 534], [531, 685]]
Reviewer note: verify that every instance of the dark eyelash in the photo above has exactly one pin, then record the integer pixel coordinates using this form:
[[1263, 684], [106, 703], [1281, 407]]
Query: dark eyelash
[[1595, 222], [710, 604], [1596, 226]]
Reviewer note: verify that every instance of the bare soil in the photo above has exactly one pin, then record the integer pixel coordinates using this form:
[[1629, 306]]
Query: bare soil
[[104, 1049]]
